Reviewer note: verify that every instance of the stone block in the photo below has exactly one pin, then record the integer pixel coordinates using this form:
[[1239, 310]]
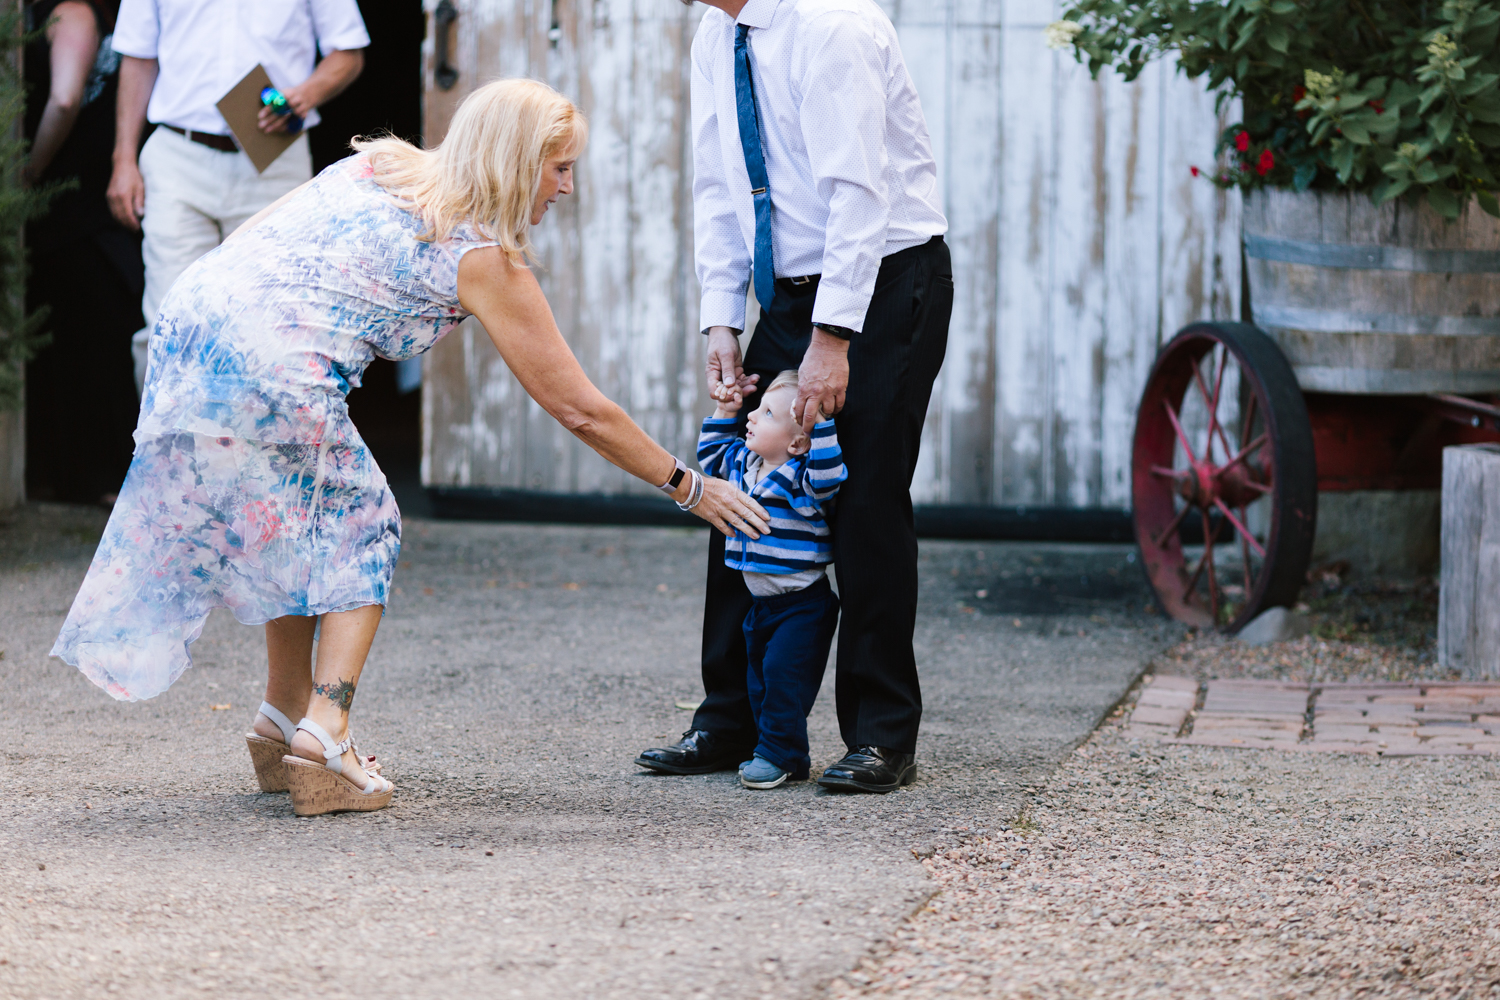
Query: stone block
[[1274, 625]]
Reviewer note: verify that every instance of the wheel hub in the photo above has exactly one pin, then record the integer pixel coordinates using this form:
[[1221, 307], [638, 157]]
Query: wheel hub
[[1203, 483]]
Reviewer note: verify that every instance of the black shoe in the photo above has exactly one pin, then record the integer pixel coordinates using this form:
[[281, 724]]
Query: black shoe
[[698, 752], [871, 769]]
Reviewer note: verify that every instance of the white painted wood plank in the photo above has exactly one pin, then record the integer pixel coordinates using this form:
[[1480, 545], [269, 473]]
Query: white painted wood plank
[[1070, 466], [1132, 270], [970, 162], [1023, 383]]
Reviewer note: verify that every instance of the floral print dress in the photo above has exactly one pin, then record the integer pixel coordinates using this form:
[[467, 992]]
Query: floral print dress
[[250, 488]]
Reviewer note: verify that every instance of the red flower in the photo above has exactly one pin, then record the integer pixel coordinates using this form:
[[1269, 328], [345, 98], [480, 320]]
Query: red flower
[[1265, 163], [1194, 170], [1379, 107], [1242, 141], [1298, 92]]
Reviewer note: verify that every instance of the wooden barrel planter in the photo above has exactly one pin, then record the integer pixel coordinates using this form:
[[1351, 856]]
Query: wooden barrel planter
[[1390, 299]]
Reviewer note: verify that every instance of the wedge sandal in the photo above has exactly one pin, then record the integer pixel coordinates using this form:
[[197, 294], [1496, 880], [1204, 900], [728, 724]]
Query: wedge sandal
[[266, 754], [325, 788]]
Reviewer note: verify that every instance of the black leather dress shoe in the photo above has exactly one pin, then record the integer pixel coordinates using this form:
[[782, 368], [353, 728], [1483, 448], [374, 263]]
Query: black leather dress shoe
[[871, 769], [698, 752]]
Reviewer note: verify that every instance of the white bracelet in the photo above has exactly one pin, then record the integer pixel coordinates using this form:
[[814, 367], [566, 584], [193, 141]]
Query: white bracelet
[[696, 495]]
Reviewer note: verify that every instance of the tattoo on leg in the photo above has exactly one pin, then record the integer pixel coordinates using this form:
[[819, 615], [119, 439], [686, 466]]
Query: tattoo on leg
[[341, 693]]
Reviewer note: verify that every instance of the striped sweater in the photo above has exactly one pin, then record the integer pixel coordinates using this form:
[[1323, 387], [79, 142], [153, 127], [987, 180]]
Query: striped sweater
[[793, 495]]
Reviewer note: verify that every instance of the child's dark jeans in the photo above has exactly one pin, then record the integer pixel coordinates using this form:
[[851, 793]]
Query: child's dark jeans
[[788, 637]]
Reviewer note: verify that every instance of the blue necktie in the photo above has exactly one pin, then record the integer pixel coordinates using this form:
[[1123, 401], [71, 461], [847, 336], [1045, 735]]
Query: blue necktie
[[755, 165]]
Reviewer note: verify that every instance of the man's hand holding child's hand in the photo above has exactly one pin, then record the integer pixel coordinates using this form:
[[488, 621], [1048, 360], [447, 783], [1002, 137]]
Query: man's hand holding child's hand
[[730, 396]]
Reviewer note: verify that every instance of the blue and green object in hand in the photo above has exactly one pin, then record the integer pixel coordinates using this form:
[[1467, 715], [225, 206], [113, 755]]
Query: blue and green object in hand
[[277, 102]]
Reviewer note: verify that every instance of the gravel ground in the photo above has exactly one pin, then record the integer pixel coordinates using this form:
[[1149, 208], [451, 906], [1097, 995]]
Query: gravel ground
[[519, 670], [1142, 870], [1147, 871]]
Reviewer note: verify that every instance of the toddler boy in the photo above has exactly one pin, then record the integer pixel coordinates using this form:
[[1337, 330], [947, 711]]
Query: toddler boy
[[794, 613]]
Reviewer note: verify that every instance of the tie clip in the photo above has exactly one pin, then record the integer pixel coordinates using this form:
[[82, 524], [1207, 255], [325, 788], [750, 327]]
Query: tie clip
[[757, 190]]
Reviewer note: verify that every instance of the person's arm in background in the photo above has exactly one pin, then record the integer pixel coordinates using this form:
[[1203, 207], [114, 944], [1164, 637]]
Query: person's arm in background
[[127, 190], [334, 74], [339, 33], [72, 47], [137, 30]]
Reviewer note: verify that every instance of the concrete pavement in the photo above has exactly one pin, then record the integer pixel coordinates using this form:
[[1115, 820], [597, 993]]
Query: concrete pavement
[[519, 670]]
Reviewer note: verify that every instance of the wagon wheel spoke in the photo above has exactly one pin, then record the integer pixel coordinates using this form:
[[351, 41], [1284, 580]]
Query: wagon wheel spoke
[[1249, 419], [1212, 402], [1207, 557], [1258, 487], [1181, 437], [1240, 527], [1166, 533], [1245, 556], [1163, 472], [1213, 582], [1244, 453]]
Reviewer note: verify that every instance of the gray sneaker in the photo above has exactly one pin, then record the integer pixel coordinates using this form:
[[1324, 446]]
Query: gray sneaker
[[761, 773]]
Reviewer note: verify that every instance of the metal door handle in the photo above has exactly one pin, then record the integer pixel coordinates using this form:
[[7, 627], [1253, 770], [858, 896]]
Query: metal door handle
[[443, 18]]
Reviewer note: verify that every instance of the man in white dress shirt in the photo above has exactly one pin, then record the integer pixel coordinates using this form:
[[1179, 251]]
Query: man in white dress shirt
[[190, 186], [815, 187]]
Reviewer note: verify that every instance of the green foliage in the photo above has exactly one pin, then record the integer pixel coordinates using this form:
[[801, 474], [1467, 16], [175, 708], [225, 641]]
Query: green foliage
[[1389, 97], [20, 335]]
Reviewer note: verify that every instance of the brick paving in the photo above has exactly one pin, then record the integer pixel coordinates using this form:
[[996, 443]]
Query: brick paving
[[1392, 719]]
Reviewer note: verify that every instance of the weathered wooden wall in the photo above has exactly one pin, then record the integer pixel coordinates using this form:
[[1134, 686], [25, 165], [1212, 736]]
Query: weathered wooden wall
[[1080, 240]]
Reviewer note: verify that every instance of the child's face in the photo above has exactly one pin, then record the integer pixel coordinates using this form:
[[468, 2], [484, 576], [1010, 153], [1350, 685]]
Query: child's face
[[771, 432]]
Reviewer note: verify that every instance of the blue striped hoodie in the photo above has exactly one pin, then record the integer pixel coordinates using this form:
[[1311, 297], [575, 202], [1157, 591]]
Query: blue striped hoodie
[[793, 495]]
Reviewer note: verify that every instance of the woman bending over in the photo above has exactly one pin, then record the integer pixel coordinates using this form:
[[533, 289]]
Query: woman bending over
[[251, 489]]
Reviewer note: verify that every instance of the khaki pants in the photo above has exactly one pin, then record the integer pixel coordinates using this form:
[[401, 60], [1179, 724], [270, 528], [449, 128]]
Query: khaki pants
[[195, 197]]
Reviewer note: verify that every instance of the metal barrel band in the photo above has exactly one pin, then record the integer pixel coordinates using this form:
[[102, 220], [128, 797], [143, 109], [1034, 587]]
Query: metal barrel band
[[1278, 317], [1369, 257]]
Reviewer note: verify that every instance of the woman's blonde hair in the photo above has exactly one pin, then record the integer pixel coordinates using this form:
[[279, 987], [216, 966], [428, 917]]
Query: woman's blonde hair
[[489, 167]]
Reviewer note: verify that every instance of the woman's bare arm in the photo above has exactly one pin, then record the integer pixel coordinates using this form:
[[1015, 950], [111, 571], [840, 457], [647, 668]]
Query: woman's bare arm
[[510, 304], [73, 44]]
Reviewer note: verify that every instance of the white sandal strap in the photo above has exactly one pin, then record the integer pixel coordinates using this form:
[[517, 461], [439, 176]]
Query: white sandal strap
[[275, 714], [332, 752]]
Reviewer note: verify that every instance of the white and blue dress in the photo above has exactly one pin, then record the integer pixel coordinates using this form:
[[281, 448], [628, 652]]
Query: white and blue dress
[[250, 488]]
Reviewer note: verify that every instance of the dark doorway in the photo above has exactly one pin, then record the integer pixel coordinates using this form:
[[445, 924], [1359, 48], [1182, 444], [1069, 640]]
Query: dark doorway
[[387, 97]]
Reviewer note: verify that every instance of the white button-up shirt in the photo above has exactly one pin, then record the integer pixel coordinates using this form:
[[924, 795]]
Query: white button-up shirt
[[846, 147], [205, 47]]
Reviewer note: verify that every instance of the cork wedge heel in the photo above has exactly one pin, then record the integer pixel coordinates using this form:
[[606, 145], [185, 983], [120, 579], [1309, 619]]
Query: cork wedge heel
[[325, 788], [266, 754]]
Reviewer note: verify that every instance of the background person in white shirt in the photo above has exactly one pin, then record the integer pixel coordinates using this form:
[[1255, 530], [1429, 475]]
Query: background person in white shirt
[[191, 187], [813, 174]]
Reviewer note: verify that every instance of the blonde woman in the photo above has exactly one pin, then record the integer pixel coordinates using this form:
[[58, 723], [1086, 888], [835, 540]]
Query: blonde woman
[[250, 489]]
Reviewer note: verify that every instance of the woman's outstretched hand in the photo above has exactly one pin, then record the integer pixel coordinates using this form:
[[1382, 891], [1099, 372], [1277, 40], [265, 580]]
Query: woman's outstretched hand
[[729, 510]]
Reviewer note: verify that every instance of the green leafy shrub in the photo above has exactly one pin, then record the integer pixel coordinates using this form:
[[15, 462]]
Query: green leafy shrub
[[1389, 97]]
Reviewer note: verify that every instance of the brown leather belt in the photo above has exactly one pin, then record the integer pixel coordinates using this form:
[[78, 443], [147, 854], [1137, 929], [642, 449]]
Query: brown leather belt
[[223, 143]]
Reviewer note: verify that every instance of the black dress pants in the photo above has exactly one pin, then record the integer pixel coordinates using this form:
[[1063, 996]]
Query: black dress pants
[[893, 362]]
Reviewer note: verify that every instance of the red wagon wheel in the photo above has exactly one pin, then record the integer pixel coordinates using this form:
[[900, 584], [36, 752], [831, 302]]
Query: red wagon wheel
[[1224, 455]]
